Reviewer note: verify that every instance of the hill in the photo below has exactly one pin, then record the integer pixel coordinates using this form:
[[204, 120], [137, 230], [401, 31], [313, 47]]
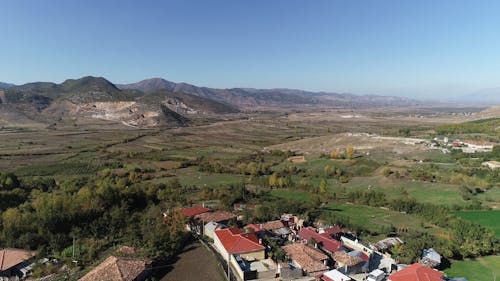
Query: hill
[[5, 85], [249, 97], [490, 96], [88, 98]]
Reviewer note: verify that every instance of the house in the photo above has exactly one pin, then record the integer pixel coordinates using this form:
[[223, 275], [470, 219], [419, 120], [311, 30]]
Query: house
[[233, 241], [119, 269], [492, 164], [255, 229], [219, 217], [322, 241], [311, 260], [211, 227], [193, 211], [430, 258], [478, 146], [376, 275], [13, 262], [356, 245], [416, 272], [387, 243], [351, 262], [276, 228], [334, 275]]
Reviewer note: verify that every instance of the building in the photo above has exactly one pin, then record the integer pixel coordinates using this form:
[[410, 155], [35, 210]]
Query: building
[[478, 146], [387, 243], [376, 275], [351, 262], [322, 241], [334, 275], [219, 217], [13, 262], [492, 164], [211, 227], [193, 211], [416, 272], [311, 260], [120, 269], [430, 258], [233, 241]]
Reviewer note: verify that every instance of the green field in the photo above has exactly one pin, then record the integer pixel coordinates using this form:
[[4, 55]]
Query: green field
[[490, 219], [480, 269], [380, 217], [298, 195]]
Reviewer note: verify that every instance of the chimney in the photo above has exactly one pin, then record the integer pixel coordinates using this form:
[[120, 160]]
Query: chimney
[[260, 241]]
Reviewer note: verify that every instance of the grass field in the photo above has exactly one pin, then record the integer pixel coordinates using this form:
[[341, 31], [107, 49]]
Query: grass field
[[365, 215], [490, 219], [480, 269], [298, 195]]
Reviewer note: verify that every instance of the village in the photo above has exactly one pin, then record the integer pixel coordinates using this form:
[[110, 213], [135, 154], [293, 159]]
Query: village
[[292, 249], [288, 248]]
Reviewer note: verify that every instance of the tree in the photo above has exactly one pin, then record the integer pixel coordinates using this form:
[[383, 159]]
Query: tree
[[273, 180], [349, 151], [323, 186]]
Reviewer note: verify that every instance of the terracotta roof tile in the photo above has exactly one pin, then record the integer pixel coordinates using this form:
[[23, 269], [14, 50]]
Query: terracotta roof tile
[[416, 272], [215, 216], [310, 259], [116, 269], [346, 259], [272, 225], [327, 243], [236, 242], [195, 210], [12, 257]]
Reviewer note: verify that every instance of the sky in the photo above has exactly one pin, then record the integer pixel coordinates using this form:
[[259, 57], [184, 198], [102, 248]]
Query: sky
[[420, 49]]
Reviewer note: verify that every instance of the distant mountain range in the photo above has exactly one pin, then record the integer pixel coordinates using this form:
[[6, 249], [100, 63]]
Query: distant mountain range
[[490, 96], [5, 85], [248, 98]]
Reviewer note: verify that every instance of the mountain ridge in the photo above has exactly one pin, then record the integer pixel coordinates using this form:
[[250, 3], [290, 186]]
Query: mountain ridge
[[249, 97]]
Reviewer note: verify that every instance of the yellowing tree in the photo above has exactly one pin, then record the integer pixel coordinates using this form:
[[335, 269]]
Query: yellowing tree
[[273, 180], [335, 154], [349, 151], [323, 186]]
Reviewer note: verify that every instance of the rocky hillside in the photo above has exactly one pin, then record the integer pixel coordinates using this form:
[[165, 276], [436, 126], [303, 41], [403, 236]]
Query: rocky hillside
[[96, 98], [249, 98]]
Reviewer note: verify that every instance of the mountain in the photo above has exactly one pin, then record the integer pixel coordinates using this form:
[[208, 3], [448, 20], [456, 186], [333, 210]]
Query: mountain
[[5, 85], [88, 98], [249, 97], [490, 96]]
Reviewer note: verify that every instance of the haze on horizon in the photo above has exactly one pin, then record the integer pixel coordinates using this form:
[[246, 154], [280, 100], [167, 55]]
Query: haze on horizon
[[421, 49]]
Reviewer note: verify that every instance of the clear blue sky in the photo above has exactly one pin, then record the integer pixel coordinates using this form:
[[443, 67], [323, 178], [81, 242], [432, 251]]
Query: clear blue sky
[[409, 48]]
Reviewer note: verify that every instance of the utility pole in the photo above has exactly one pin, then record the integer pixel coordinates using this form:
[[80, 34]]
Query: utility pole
[[228, 267]]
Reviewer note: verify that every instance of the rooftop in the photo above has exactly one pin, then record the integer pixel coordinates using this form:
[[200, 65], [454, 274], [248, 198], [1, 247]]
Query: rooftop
[[416, 272], [219, 216], [12, 257], [327, 243], [236, 242], [116, 269], [195, 210], [310, 259]]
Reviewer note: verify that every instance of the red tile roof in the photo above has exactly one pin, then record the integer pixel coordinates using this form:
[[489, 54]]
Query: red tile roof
[[195, 210], [329, 244], [333, 230], [236, 242], [253, 227], [416, 272]]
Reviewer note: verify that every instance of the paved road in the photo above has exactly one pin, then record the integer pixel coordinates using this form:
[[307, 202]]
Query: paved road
[[195, 263]]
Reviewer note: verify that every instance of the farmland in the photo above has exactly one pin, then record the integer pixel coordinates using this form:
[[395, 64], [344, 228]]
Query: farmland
[[480, 269], [488, 219]]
